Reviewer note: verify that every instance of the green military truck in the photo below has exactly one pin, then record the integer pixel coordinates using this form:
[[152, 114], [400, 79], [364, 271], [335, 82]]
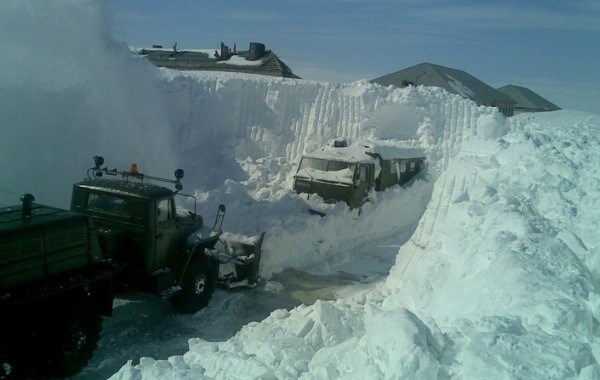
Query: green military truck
[[53, 289], [59, 269]]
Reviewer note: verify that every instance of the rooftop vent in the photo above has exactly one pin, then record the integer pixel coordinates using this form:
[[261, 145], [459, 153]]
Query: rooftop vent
[[341, 143]]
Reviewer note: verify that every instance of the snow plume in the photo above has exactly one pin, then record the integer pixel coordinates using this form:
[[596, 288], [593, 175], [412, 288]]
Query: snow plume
[[68, 91]]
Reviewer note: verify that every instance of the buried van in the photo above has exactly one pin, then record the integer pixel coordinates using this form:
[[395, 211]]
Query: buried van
[[346, 171]]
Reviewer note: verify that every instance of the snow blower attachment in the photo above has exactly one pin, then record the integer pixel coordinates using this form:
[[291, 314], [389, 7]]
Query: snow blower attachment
[[238, 256], [240, 260]]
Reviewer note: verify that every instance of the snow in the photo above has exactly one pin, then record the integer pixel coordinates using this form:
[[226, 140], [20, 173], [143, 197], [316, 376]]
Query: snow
[[357, 151], [498, 271], [498, 279], [344, 176], [354, 153], [460, 87], [236, 60]]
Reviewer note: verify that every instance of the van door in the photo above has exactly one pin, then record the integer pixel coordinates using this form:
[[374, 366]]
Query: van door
[[362, 184]]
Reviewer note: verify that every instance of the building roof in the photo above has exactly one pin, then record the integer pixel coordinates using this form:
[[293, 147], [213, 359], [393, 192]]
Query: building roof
[[527, 99], [210, 60], [455, 81]]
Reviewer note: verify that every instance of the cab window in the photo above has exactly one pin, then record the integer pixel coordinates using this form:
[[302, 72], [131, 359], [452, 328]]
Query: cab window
[[109, 204], [164, 210]]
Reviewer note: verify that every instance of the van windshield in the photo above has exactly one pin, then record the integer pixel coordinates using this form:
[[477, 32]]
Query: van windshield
[[313, 163], [325, 165]]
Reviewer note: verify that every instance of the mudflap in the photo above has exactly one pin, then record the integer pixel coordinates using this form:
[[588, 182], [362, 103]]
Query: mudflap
[[240, 260]]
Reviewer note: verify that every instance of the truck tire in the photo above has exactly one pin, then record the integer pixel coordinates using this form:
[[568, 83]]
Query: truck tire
[[197, 287], [70, 343]]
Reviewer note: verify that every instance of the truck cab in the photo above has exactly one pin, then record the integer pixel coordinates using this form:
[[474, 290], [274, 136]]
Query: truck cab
[[137, 222]]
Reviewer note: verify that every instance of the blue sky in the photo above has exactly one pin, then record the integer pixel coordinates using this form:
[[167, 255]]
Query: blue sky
[[551, 47]]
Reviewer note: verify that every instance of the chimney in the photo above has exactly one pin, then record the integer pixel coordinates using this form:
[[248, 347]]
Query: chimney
[[27, 200]]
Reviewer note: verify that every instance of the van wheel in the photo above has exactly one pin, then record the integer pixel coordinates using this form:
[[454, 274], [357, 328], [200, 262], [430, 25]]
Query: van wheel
[[71, 343], [198, 286]]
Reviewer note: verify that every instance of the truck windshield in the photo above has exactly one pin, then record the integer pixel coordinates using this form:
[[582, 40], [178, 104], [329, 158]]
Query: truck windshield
[[109, 204]]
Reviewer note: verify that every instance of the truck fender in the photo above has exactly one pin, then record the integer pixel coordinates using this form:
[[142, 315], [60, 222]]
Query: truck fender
[[197, 251]]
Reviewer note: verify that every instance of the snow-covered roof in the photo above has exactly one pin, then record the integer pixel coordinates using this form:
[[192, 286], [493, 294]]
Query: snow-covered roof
[[453, 80], [208, 60], [364, 152], [527, 99]]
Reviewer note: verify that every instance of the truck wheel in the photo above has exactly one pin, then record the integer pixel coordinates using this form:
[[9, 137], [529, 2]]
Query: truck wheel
[[197, 287], [71, 343]]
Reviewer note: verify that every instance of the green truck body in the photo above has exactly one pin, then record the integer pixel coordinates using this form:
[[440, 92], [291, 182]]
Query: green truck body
[[48, 243], [53, 289]]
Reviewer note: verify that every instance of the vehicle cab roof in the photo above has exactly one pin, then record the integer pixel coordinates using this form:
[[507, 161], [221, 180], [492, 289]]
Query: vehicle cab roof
[[136, 189]]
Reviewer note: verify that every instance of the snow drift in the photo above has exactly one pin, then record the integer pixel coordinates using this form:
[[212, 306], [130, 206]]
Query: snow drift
[[499, 278]]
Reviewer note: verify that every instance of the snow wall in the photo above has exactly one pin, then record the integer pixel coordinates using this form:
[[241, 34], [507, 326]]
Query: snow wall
[[240, 138], [499, 279]]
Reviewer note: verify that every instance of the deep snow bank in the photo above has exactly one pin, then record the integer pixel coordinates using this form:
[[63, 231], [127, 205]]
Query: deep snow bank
[[498, 279], [505, 258]]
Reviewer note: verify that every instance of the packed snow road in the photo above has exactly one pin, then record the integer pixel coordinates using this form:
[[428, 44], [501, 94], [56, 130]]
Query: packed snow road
[[146, 326]]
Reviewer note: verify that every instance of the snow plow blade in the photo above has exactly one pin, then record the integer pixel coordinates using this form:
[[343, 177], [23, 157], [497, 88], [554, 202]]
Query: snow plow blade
[[240, 260]]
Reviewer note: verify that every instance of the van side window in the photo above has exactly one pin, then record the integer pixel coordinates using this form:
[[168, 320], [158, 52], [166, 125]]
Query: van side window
[[363, 173]]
